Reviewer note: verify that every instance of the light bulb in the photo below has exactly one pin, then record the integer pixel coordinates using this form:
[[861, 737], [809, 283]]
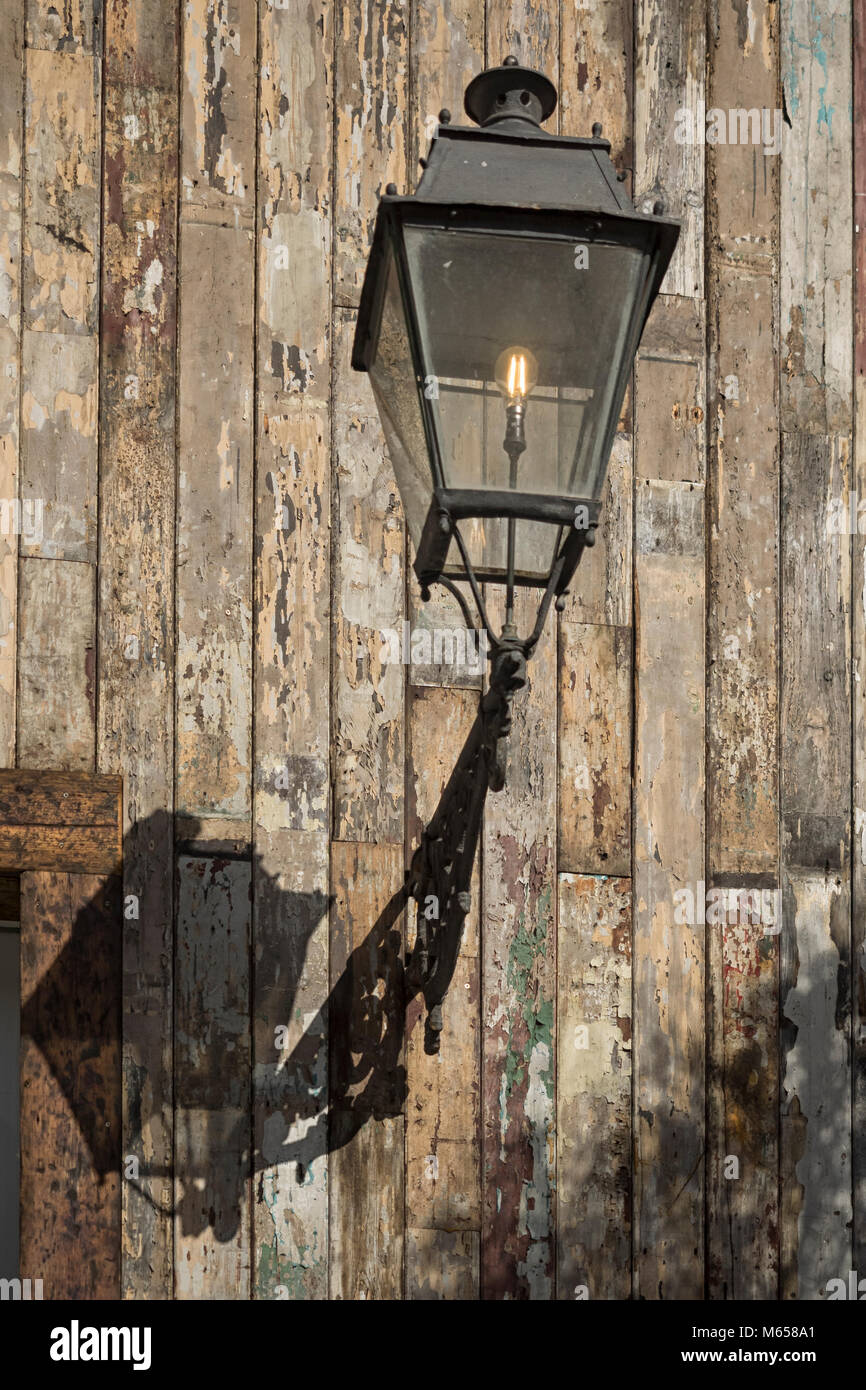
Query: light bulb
[[516, 373]]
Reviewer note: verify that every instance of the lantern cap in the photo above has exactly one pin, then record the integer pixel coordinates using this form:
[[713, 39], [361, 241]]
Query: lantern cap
[[510, 93]]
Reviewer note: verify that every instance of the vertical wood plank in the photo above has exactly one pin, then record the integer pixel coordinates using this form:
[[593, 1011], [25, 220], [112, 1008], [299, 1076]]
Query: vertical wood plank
[[56, 638], [367, 1077], [368, 581], [60, 271], [815, 1134], [596, 73], [70, 1084], [212, 1080], [136, 582], [670, 53], [594, 803], [442, 1122], [291, 714], [11, 207], [670, 392], [372, 71], [59, 386], [446, 52], [216, 417], [816, 1095], [441, 1265], [519, 992], [742, 685], [858, 620], [668, 857], [816, 217], [594, 1122]]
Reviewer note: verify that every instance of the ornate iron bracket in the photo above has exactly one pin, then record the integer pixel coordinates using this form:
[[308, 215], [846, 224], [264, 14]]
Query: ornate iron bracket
[[441, 871]]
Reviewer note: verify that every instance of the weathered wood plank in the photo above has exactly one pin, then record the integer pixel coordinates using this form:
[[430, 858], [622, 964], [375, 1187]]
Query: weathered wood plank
[[58, 798], [594, 1121], [367, 1076], [291, 715], [212, 1226], [446, 50], [594, 810], [70, 1084], [602, 587], [136, 580], [442, 1123], [371, 99], [368, 591], [60, 271], [816, 688], [216, 274], [74, 849], [75, 26], [858, 687], [668, 857], [11, 202], [743, 713], [816, 327], [596, 73], [56, 641], [290, 1064], [530, 32], [441, 1265], [744, 921], [669, 68], [670, 393], [742, 687], [519, 992], [815, 1136], [815, 1131]]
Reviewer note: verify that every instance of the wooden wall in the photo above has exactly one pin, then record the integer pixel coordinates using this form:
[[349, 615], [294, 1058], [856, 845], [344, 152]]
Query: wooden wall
[[187, 196]]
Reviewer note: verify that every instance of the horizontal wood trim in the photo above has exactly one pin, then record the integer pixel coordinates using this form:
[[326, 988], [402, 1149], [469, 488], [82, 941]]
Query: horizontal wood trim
[[66, 822]]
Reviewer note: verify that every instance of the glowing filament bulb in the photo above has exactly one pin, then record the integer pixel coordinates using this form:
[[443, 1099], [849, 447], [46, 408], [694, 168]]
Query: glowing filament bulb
[[516, 373]]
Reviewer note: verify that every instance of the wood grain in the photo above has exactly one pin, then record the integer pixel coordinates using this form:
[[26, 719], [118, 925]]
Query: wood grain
[[669, 74], [136, 639], [518, 999], [443, 1114], [70, 1084], [743, 652], [291, 650], [594, 1079], [212, 1177], [668, 857], [11, 207], [816, 324], [367, 1074], [594, 810]]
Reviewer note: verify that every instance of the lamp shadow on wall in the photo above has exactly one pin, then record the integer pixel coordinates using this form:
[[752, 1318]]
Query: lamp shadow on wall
[[342, 1072], [346, 1069]]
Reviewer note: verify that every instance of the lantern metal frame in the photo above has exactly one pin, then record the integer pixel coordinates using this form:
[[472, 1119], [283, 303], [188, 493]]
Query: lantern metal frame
[[529, 183]]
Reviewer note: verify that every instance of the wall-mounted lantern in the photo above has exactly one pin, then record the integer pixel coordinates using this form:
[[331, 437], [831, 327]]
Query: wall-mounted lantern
[[502, 307]]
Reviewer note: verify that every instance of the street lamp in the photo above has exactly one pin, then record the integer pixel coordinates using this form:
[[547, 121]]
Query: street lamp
[[501, 310]]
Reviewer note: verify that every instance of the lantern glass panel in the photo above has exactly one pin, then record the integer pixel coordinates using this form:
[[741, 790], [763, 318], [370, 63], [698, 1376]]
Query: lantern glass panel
[[395, 388], [551, 318]]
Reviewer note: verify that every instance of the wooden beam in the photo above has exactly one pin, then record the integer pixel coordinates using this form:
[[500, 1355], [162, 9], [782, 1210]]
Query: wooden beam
[[71, 1084], [60, 821]]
